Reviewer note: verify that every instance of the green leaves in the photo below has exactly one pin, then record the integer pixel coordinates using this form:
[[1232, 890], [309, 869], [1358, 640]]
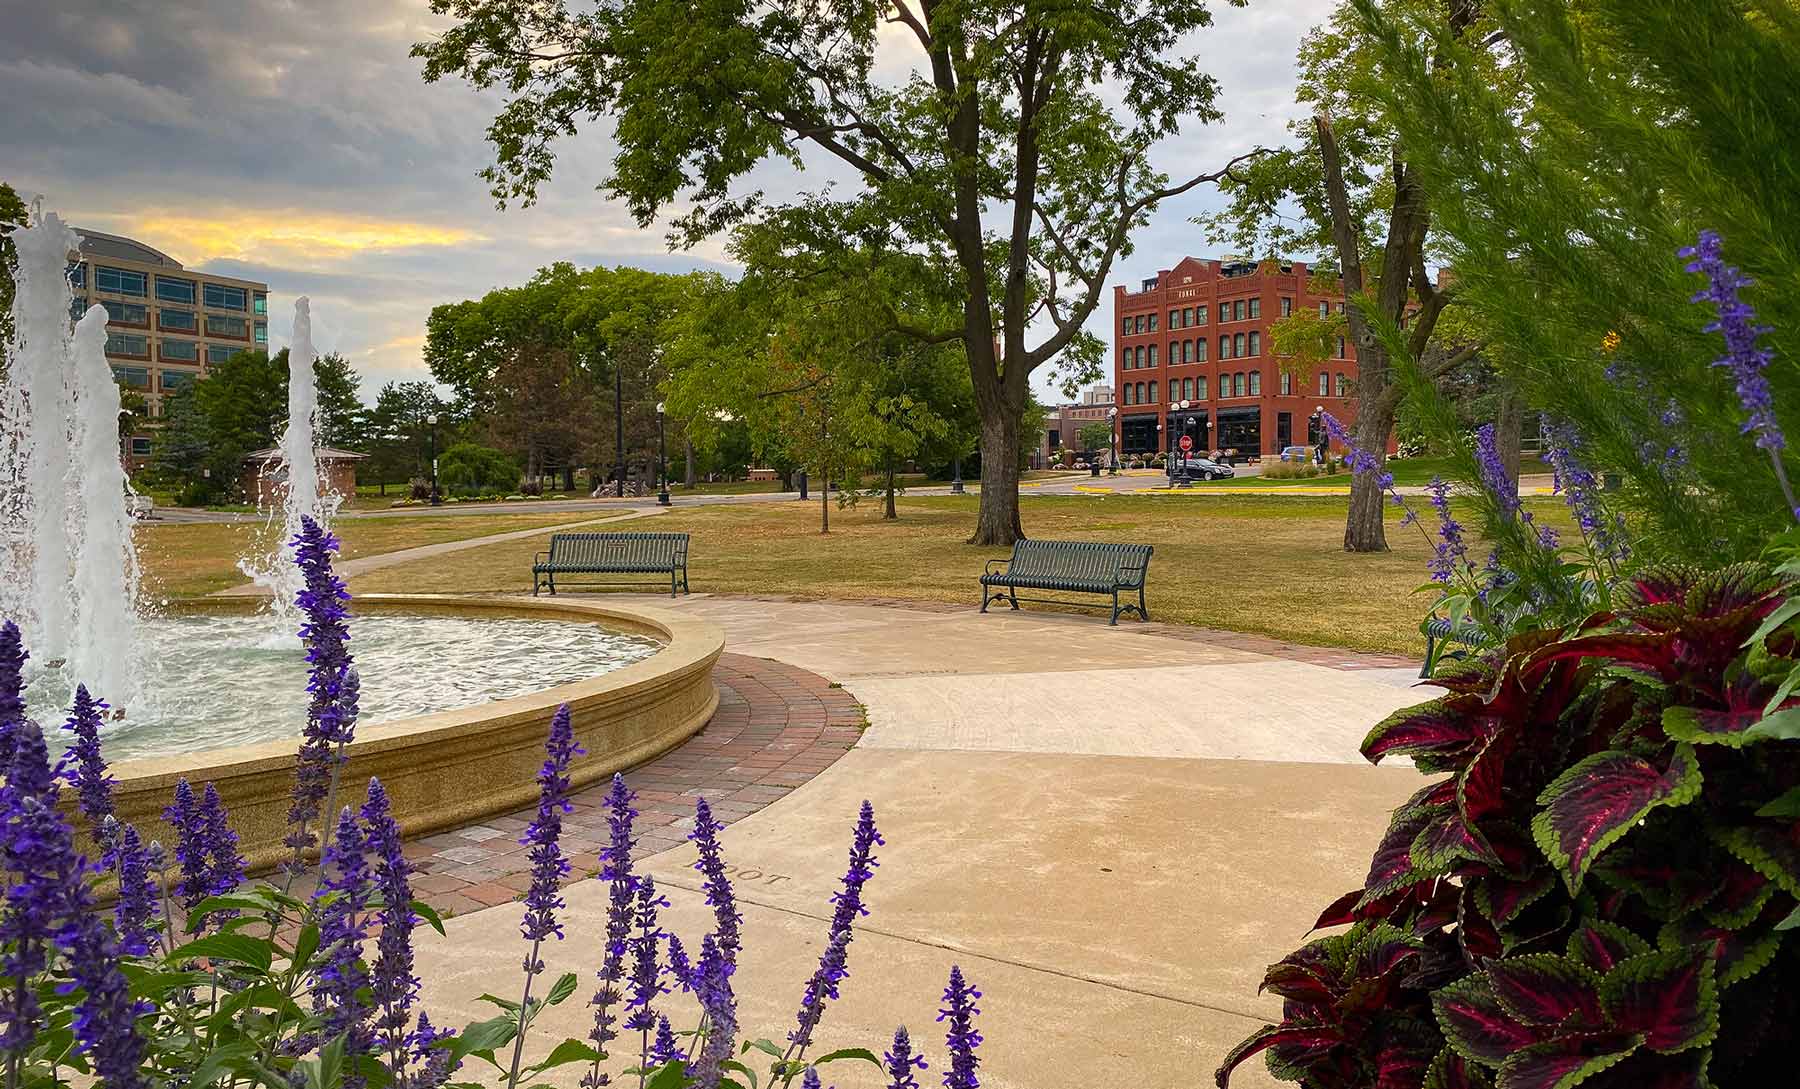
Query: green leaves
[[1589, 806], [226, 947]]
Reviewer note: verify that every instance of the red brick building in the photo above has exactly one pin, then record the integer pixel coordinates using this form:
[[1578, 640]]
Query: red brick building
[[1192, 355]]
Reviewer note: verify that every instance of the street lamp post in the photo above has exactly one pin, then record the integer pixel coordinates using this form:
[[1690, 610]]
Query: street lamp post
[[436, 498], [956, 480], [662, 458], [619, 425], [1112, 441]]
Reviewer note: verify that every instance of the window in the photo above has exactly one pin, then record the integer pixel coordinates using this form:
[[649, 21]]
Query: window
[[1127, 392], [1187, 351], [1255, 343], [1224, 385], [1324, 384], [1174, 351], [1174, 319], [1256, 307], [1152, 356], [1200, 350], [1124, 326], [77, 274], [1237, 310], [1153, 323], [174, 380], [262, 303], [119, 281], [1225, 346], [132, 377], [1237, 346], [1199, 315], [124, 313], [140, 446], [224, 297], [1200, 385], [171, 289], [1140, 355], [128, 344], [219, 353], [1287, 306], [1152, 394], [1256, 383], [78, 308], [180, 351], [1287, 384], [1187, 389], [1187, 317], [1340, 308], [1343, 385], [262, 333], [181, 321], [1324, 309], [1140, 393], [1341, 348], [225, 325]]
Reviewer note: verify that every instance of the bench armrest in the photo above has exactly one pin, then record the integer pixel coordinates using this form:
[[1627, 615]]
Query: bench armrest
[[540, 556], [1005, 562]]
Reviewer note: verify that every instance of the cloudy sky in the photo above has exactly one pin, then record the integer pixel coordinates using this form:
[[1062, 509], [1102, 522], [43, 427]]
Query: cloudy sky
[[293, 142]]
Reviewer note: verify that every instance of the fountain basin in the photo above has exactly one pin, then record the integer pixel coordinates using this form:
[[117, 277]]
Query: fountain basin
[[455, 767]]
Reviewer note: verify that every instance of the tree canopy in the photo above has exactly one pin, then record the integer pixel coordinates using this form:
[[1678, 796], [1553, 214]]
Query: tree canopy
[[1005, 144]]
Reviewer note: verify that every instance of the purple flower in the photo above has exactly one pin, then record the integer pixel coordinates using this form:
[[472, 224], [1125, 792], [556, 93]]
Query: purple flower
[[1363, 463], [962, 1037], [833, 963], [343, 901], [809, 1078], [12, 687], [432, 1065], [1451, 555], [1744, 357], [184, 816], [44, 890], [106, 1017], [1581, 492], [713, 984], [224, 865], [93, 787], [680, 970], [548, 866], [646, 982], [717, 885], [901, 1062], [137, 894], [616, 870], [1494, 476], [393, 986], [664, 1048], [332, 682]]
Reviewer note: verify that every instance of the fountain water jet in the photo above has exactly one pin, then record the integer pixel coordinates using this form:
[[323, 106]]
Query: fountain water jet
[[295, 480], [67, 565]]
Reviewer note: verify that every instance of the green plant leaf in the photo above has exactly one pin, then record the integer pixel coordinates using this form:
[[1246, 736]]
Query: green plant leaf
[[1791, 922], [429, 914], [1768, 850], [227, 947], [483, 1036], [733, 1064], [861, 1053], [221, 1061], [1785, 612], [668, 1076], [306, 943], [760, 1045], [1786, 807], [569, 1051], [564, 987], [1783, 725]]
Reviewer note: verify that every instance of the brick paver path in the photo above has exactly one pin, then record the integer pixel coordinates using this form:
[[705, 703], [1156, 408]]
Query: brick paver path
[[776, 727]]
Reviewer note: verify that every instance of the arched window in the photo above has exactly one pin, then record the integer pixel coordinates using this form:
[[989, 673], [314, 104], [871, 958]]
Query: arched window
[[1125, 359], [1225, 346], [1200, 350], [1324, 380], [1224, 385], [1153, 355], [1343, 385], [1152, 394], [1256, 383], [1174, 351], [1140, 393], [1255, 343], [1287, 384], [1200, 385], [1237, 346], [1237, 384], [1237, 310], [1341, 354], [1140, 355], [1187, 351], [1187, 389]]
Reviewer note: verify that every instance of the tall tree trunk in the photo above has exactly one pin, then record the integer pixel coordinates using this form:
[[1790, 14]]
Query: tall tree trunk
[[1365, 529], [687, 448], [890, 513], [997, 522], [1509, 429]]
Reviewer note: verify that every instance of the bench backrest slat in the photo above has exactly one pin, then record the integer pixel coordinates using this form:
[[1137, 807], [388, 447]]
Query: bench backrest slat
[[1079, 561], [639, 549]]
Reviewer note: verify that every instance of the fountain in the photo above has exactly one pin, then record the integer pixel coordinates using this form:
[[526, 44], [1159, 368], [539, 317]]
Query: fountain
[[295, 476], [67, 565]]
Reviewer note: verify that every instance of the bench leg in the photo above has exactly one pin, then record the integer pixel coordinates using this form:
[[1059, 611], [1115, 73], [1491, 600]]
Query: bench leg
[[551, 582], [672, 582], [535, 579], [1012, 594], [1115, 609], [684, 583], [1143, 613], [984, 597]]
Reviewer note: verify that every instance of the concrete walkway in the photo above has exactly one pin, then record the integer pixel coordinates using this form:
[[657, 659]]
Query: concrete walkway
[[1111, 830]]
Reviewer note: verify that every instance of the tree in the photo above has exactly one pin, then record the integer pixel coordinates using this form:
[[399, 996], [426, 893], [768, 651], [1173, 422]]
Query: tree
[[1363, 202], [397, 430], [341, 419], [1095, 436], [12, 217], [999, 158]]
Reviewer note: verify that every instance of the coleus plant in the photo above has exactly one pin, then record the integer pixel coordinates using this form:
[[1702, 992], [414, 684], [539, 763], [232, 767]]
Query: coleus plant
[[1599, 885]]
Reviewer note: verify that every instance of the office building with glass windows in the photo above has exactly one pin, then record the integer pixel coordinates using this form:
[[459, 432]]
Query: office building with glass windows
[[1193, 355], [165, 325]]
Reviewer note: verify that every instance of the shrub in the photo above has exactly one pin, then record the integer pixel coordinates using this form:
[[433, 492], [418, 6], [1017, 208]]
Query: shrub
[[1289, 470], [1597, 885], [468, 469]]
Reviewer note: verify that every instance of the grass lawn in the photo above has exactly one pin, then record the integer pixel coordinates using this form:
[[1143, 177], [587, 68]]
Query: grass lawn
[[186, 560], [1271, 565]]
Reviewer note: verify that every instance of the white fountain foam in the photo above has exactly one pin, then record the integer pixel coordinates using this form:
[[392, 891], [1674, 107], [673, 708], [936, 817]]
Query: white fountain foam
[[295, 479], [67, 565]]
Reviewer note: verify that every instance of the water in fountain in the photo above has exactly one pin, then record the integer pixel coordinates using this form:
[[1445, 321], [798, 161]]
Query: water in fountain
[[293, 480], [68, 570]]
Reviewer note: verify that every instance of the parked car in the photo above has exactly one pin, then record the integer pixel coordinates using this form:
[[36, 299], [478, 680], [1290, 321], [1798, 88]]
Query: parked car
[[1208, 469], [1299, 454], [140, 506]]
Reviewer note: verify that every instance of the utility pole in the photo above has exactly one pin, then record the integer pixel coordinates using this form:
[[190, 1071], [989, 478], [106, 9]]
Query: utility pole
[[619, 422]]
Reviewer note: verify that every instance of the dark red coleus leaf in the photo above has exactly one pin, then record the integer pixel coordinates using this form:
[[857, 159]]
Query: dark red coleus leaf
[[1340, 911], [1447, 837], [1474, 1023], [1662, 584], [1564, 1062], [1451, 1071], [1740, 898], [1728, 723], [1443, 726], [1770, 848], [1602, 945], [1306, 1036], [1478, 788], [1648, 1070], [1501, 899], [1654, 651], [1668, 995], [1599, 799], [1392, 867], [1547, 990], [1737, 954], [1479, 937]]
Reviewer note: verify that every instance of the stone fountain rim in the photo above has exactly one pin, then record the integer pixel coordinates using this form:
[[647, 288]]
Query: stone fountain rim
[[690, 644]]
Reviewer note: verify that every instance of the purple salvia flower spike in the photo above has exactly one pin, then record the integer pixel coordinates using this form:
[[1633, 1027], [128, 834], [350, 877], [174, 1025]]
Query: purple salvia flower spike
[[1494, 477], [717, 885], [646, 978], [343, 927], [184, 816], [713, 979], [664, 1048], [332, 684], [45, 891], [1451, 555], [432, 1065], [392, 982], [105, 1020], [12, 688], [901, 1062], [224, 864], [809, 1078], [848, 907], [93, 787], [548, 866], [136, 907], [615, 869], [680, 970], [961, 1037], [1581, 492]]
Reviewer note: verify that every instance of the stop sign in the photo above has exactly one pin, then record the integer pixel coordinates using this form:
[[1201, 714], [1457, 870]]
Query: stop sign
[[1187, 443]]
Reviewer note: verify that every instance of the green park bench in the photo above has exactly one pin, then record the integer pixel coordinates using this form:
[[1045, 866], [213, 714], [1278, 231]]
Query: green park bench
[[1070, 567], [612, 554]]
